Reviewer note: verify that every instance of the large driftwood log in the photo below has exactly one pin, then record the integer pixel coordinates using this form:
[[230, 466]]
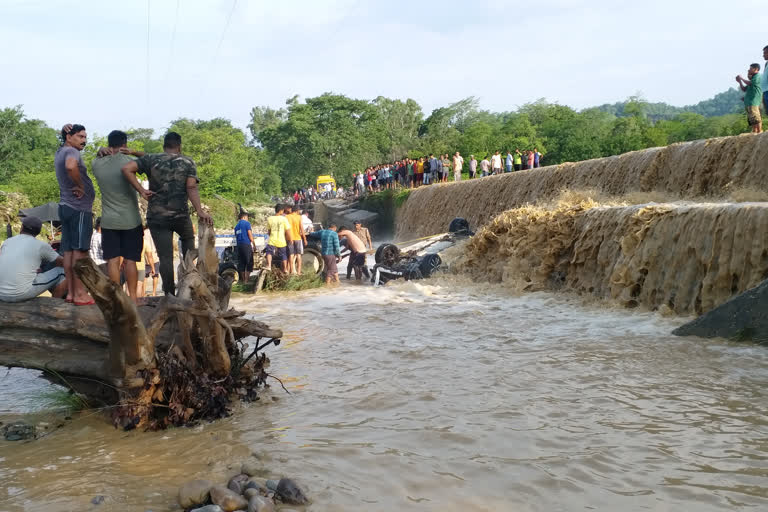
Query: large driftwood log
[[128, 349]]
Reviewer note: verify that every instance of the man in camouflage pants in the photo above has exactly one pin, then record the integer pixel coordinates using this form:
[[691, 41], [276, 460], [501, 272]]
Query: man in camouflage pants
[[172, 182]]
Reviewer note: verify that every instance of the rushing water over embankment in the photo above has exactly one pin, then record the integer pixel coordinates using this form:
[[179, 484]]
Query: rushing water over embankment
[[445, 395], [685, 258], [712, 168]]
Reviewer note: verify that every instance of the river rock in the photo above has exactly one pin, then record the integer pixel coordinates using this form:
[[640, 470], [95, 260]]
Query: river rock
[[253, 484], [252, 468], [194, 492], [207, 508], [741, 318], [271, 485], [289, 492], [237, 483], [19, 431], [229, 501], [261, 504]]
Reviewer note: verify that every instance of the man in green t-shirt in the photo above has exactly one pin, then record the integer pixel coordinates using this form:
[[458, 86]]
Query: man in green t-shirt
[[172, 184], [753, 95], [122, 236]]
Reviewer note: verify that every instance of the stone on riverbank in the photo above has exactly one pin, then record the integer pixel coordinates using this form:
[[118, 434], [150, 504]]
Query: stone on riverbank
[[229, 501], [208, 508], [261, 504], [289, 492], [256, 486], [238, 483], [742, 318], [194, 492], [252, 468], [19, 431]]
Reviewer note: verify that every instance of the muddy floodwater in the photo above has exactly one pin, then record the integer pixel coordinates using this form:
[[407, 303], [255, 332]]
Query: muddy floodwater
[[440, 395]]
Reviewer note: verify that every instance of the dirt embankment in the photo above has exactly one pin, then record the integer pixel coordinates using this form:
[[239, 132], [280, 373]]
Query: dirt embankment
[[721, 168]]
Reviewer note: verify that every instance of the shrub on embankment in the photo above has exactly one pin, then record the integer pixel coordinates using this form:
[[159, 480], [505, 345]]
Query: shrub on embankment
[[712, 169], [385, 204]]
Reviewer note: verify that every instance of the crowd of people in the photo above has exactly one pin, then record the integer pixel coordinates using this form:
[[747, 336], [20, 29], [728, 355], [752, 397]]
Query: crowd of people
[[426, 170], [124, 245]]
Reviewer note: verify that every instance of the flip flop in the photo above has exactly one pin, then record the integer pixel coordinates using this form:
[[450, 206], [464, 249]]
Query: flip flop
[[86, 303], [68, 300]]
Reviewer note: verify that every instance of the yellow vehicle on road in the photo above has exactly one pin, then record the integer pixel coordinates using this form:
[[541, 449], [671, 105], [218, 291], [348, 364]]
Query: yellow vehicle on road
[[322, 181]]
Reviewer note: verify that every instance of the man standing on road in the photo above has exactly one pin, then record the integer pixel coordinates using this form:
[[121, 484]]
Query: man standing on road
[[246, 246], [172, 184], [298, 241], [122, 234], [485, 167], [331, 251], [496, 163], [752, 97], [458, 163], [75, 208], [356, 254], [472, 167], [279, 232], [20, 259]]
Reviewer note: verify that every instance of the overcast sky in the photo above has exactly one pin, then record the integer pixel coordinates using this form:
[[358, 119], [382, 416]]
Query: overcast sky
[[86, 61]]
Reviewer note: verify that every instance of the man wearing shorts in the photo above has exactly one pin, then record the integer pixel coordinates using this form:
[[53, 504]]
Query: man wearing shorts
[[76, 195], [21, 257], [298, 241], [122, 233], [279, 232], [246, 246], [753, 96], [356, 254], [329, 248]]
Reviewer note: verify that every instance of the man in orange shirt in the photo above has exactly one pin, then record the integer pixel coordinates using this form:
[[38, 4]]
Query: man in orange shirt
[[298, 241]]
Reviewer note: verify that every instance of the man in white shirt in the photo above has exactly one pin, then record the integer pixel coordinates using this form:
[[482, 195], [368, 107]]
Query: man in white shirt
[[20, 260], [496, 163]]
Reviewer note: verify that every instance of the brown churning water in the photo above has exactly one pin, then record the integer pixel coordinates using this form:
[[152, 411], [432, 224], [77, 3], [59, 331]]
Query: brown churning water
[[643, 229]]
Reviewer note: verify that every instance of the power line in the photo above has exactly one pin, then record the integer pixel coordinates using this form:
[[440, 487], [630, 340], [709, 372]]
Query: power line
[[224, 32], [147, 77], [173, 39]]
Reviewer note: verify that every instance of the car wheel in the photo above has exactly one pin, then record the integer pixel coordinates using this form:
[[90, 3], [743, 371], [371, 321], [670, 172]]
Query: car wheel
[[387, 254], [459, 226], [312, 259], [429, 264]]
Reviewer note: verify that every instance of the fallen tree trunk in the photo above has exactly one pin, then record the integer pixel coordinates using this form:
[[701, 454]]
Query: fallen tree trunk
[[170, 361]]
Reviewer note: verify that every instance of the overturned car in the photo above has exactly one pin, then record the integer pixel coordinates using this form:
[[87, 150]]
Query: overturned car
[[418, 260]]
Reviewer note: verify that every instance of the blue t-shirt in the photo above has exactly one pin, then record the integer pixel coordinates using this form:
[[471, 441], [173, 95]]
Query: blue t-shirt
[[241, 232]]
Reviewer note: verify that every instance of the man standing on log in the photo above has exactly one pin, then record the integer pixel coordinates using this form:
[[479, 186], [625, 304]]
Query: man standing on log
[[172, 183], [75, 208], [122, 233], [20, 259], [246, 246], [298, 240], [279, 230]]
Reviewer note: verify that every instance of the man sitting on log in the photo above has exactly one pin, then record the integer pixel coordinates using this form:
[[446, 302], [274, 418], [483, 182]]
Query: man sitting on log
[[172, 183], [20, 260]]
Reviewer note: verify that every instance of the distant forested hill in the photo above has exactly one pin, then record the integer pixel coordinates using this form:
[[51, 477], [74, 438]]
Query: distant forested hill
[[726, 102]]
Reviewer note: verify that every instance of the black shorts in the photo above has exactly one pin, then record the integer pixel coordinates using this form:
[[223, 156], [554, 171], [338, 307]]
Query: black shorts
[[278, 253], [151, 271], [244, 258], [518, 167], [357, 259], [76, 229], [127, 243]]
